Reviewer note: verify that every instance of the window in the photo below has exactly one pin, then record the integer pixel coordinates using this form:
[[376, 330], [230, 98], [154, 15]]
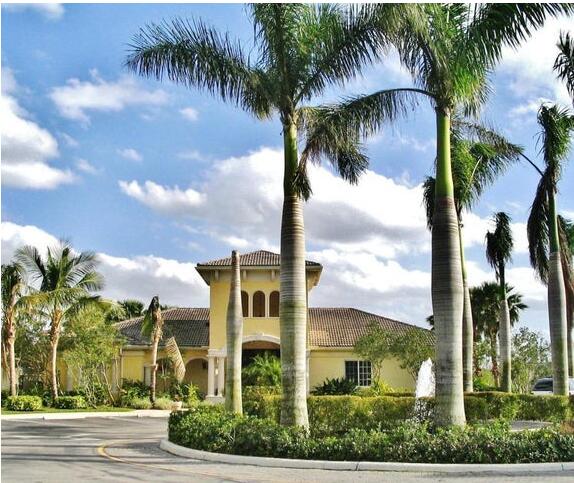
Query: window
[[359, 372], [258, 304], [245, 303], [274, 304]]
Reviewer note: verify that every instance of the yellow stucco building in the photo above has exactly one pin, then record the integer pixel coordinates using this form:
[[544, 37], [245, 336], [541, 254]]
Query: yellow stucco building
[[200, 332]]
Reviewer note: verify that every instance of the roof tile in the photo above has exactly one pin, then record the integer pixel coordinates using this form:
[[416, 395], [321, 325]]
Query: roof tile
[[253, 259]]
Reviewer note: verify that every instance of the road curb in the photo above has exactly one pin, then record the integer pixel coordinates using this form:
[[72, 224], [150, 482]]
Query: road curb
[[519, 468], [138, 413]]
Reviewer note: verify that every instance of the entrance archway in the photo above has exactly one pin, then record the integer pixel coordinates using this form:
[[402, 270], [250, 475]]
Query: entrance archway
[[196, 373]]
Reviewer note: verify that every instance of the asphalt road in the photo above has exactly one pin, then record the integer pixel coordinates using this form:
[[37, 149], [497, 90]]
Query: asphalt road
[[120, 449]]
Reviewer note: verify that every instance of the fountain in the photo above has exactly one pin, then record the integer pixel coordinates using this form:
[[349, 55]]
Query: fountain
[[425, 388]]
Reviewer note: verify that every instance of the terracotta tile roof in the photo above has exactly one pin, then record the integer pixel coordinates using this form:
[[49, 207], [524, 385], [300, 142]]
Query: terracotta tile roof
[[342, 327], [328, 327], [190, 326], [261, 258]]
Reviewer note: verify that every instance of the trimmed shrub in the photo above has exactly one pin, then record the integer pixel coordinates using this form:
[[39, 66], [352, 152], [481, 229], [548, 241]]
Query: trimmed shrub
[[4, 397], [335, 414], [140, 403], [163, 403], [187, 393], [335, 387], [70, 402], [24, 403], [209, 428], [256, 399]]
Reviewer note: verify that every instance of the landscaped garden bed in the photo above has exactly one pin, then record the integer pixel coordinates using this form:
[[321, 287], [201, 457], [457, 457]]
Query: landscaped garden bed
[[212, 429]]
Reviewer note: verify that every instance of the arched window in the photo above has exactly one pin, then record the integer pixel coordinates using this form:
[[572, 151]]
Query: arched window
[[245, 303], [274, 304], [258, 304]]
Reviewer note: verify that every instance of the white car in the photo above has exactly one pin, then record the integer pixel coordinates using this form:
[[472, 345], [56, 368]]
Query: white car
[[544, 387]]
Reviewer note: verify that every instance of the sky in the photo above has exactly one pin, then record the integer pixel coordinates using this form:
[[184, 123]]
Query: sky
[[155, 177]]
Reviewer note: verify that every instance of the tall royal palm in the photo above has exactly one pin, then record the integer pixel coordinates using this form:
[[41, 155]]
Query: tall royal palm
[[564, 64], [300, 51], [557, 127], [65, 281], [479, 155], [13, 287], [499, 244], [449, 57], [566, 231]]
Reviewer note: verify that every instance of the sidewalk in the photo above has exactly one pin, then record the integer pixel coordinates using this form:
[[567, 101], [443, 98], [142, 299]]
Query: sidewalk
[[137, 413]]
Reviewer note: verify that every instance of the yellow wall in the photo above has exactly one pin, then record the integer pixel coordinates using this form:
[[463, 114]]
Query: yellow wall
[[330, 364], [134, 361], [252, 280]]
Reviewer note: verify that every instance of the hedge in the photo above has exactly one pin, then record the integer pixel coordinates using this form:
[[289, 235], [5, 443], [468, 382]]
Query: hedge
[[210, 428], [24, 403], [337, 414], [70, 402]]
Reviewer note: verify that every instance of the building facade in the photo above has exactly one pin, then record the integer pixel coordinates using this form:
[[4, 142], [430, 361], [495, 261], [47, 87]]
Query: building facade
[[201, 332]]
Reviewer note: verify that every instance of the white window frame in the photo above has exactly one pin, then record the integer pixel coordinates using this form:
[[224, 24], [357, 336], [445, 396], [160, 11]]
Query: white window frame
[[364, 372]]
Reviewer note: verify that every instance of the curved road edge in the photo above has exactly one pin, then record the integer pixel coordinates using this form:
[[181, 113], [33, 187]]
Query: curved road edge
[[501, 469]]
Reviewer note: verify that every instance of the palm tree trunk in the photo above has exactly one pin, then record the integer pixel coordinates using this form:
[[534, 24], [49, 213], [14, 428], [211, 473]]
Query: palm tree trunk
[[293, 293], [557, 305], [10, 341], [54, 339], [570, 327], [505, 336], [494, 360], [153, 375], [447, 286], [234, 328], [467, 325]]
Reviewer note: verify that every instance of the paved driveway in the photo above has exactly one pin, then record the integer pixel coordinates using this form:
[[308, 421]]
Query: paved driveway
[[120, 449]]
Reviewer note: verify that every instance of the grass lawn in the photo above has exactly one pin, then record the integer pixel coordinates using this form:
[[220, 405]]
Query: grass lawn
[[99, 409]]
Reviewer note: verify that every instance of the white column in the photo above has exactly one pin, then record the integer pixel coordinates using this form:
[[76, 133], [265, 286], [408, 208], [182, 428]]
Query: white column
[[210, 376], [220, 375]]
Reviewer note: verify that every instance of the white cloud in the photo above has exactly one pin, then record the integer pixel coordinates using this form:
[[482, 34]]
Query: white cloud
[[189, 113], [164, 200], [52, 11], [75, 99], [530, 68], [131, 154], [27, 148], [139, 277], [85, 166]]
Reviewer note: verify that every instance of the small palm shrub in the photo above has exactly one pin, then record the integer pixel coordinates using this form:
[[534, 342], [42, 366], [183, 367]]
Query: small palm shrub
[[336, 387], [24, 403], [132, 390], [264, 370], [187, 393], [377, 388]]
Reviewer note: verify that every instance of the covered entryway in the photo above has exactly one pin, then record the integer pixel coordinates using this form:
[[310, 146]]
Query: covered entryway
[[253, 348], [196, 373]]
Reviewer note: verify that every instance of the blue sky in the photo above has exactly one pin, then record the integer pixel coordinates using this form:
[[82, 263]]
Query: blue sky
[[156, 177]]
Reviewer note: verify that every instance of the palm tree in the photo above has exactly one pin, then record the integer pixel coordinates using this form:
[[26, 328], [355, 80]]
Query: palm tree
[[486, 309], [449, 58], [479, 155], [65, 281], [564, 64], [301, 50], [132, 308], [233, 398], [499, 246], [153, 327], [543, 233], [13, 288]]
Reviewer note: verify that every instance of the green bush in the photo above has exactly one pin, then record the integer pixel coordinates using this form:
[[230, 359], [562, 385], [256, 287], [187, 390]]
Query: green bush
[[210, 428], [335, 414], [187, 393], [4, 397], [24, 403], [140, 403], [256, 399], [335, 387], [263, 370], [377, 388], [70, 402]]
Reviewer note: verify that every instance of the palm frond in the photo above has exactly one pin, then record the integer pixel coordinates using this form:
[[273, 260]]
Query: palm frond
[[555, 137], [499, 243], [30, 259], [537, 228], [429, 187], [193, 54], [564, 63], [174, 355]]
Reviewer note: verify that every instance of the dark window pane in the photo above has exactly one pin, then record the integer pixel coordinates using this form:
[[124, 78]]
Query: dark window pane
[[258, 304], [245, 303], [544, 385], [274, 304], [364, 373], [351, 371]]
